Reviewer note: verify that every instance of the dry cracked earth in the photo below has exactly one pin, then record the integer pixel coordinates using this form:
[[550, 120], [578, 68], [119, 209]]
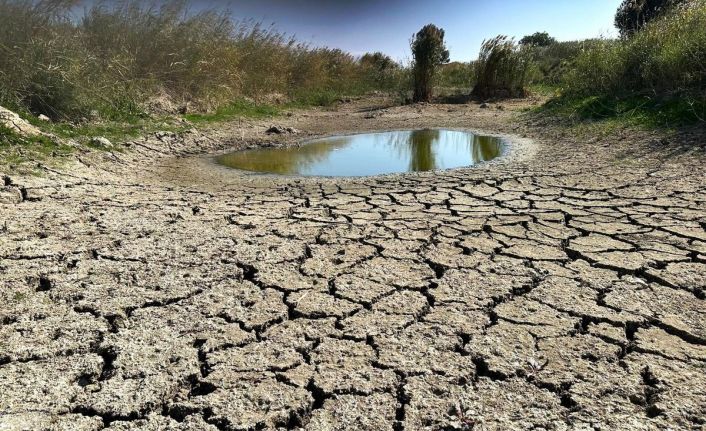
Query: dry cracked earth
[[561, 287]]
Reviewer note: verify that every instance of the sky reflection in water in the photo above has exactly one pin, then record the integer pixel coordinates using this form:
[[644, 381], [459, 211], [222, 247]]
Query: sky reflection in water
[[370, 154]]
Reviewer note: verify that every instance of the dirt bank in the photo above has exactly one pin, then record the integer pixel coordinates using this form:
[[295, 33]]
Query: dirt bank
[[561, 287]]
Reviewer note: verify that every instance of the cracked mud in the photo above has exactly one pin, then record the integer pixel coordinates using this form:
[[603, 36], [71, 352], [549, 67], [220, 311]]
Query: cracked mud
[[561, 287]]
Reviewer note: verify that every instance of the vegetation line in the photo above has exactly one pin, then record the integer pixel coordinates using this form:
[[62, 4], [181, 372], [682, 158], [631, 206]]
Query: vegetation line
[[125, 68]]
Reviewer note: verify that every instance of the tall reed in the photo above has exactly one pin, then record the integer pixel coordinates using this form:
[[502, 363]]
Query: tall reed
[[502, 69], [117, 56]]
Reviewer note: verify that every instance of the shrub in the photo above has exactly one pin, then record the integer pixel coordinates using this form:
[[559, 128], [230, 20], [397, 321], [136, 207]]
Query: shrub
[[660, 67], [667, 57], [456, 75], [549, 58], [429, 52], [502, 69], [550, 63]]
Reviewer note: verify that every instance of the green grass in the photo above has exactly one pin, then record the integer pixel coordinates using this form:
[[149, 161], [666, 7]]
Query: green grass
[[117, 129], [134, 126], [243, 108], [655, 78], [630, 110], [543, 89], [43, 144], [237, 109], [21, 154], [113, 130], [319, 98]]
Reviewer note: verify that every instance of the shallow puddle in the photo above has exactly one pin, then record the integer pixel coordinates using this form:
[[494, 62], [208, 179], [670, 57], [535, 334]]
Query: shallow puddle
[[370, 154]]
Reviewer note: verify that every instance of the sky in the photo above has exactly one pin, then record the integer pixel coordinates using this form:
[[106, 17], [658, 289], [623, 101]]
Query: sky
[[360, 26]]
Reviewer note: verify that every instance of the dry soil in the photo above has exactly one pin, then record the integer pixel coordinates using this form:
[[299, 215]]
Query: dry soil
[[561, 287]]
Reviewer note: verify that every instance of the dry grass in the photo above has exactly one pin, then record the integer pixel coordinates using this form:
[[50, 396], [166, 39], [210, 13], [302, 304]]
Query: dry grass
[[502, 69], [119, 55]]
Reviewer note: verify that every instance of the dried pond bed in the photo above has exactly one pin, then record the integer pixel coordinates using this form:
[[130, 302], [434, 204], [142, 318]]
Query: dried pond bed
[[561, 287]]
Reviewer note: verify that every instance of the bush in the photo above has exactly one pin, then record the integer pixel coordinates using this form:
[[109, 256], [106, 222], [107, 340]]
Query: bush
[[120, 55], [661, 67], [550, 63], [429, 52], [502, 69], [456, 75], [659, 60]]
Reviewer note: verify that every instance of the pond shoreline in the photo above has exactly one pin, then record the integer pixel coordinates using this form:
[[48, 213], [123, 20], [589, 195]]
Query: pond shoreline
[[512, 149]]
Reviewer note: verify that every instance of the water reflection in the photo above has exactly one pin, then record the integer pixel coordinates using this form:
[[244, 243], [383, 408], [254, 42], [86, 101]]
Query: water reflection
[[370, 154]]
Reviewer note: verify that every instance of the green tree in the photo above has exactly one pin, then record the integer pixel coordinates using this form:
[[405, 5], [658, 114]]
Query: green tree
[[429, 52], [632, 15], [538, 39]]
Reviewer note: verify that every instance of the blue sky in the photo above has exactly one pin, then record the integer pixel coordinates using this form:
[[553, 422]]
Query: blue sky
[[377, 25]]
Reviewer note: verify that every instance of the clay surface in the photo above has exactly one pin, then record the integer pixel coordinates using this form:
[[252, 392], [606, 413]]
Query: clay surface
[[560, 287]]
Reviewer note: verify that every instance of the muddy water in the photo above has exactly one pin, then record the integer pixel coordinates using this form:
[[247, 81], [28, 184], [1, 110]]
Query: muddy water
[[370, 154]]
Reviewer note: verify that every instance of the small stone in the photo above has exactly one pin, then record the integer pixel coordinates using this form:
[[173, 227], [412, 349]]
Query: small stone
[[161, 135], [13, 122], [43, 117], [185, 109], [10, 195], [276, 130], [101, 142]]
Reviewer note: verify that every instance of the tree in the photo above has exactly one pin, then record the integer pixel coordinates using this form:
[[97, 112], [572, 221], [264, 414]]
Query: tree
[[429, 52], [632, 15], [538, 39]]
